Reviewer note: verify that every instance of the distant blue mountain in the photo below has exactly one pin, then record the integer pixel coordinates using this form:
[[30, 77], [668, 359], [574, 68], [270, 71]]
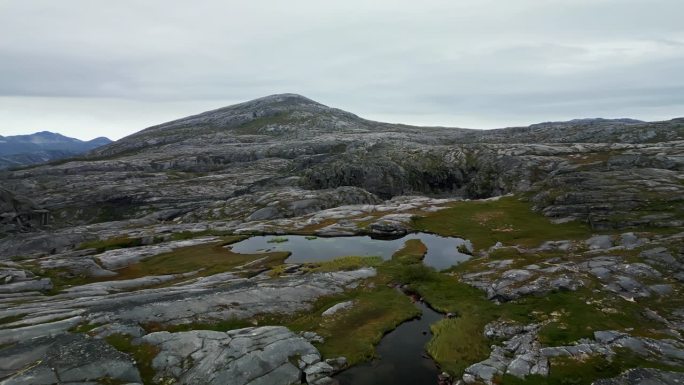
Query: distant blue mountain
[[44, 146]]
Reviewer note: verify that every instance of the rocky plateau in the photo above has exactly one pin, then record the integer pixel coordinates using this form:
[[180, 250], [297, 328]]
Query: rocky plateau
[[116, 267]]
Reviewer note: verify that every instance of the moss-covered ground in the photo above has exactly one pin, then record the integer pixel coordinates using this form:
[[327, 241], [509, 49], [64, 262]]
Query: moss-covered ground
[[142, 353], [509, 220], [458, 341], [204, 259], [567, 316]]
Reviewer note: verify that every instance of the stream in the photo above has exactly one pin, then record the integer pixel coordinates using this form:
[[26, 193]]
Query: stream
[[402, 358]]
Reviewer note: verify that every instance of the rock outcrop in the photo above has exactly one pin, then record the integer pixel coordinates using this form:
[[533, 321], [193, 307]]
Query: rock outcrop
[[263, 355], [522, 355]]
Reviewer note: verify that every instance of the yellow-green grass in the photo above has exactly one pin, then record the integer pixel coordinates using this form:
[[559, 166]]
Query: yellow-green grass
[[459, 342], [211, 258], [351, 262], [353, 333], [568, 371], [413, 252], [592, 157], [509, 220], [111, 243], [125, 241], [207, 259]]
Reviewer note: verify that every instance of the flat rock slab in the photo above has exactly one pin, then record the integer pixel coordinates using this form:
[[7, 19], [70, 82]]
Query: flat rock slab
[[240, 300], [74, 359], [51, 329], [263, 355]]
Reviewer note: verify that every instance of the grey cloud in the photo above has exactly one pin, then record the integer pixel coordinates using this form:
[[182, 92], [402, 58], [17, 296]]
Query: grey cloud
[[526, 60]]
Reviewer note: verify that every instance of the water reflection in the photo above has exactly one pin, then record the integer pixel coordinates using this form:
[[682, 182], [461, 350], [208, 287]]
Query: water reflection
[[402, 357], [442, 251]]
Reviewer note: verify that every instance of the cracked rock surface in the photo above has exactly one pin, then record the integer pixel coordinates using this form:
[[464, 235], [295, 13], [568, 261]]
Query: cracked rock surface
[[263, 355], [521, 354], [69, 359]]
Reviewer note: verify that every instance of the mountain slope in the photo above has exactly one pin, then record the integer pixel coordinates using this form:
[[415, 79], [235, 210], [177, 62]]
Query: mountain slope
[[285, 116], [295, 117], [284, 155], [40, 147]]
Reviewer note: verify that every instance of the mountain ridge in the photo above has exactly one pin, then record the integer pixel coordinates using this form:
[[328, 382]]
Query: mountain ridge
[[296, 116], [43, 146]]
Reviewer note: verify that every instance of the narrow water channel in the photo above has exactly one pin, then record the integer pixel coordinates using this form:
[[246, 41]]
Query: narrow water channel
[[401, 356]]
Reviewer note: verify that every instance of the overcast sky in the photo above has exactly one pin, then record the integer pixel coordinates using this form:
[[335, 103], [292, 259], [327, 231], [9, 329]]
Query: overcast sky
[[88, 68]]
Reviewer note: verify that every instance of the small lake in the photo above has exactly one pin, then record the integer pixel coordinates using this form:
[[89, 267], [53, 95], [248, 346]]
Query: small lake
[[401, 356], [441, 253]]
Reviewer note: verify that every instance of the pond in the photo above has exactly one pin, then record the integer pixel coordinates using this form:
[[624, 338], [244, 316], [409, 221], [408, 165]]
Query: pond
[[442, 252], [401, 356]]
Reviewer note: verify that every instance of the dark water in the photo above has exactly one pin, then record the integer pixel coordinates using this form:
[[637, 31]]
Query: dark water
[[441, 252], [402, 358]]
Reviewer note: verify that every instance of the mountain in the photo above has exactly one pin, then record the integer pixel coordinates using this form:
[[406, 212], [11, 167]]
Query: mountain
[[146, 255], [286, 147], [41, 147], [292, 117]]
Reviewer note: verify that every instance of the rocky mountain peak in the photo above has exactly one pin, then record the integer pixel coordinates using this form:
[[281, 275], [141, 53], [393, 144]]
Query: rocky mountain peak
[[285, 98], [273, 115]]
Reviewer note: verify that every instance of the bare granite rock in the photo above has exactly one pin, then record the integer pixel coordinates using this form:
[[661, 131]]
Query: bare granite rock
[[73, 359], [265, 355]]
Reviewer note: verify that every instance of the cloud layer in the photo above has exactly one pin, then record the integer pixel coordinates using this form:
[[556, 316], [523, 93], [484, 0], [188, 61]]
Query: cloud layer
[[96, 67]]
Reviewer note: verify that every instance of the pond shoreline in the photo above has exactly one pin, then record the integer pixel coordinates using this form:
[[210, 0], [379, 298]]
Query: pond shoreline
[[402, 355], [442, 252]]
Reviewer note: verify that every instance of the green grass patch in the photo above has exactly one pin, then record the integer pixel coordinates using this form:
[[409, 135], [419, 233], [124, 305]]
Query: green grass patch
[[568, 371], [111, 244], [210, 258], [459, 342], [413, 252], [207, 259], [509, 220], [353, 333]]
